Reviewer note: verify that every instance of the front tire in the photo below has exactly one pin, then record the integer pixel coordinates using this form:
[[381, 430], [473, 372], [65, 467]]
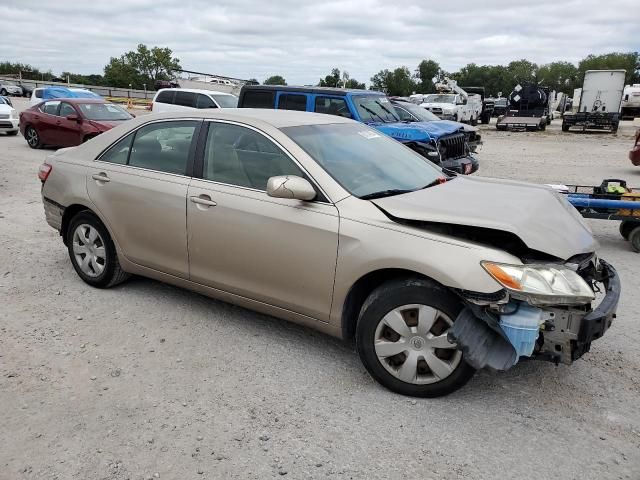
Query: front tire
[[3, 92], [92, 252], [401, 337], [32, 137]]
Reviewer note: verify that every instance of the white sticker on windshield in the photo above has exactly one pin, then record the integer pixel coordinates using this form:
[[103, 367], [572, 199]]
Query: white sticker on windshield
[[368, 134], [384, 100]]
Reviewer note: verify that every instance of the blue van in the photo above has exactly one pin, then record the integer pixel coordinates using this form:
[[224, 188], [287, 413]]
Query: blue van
[[444, 143]]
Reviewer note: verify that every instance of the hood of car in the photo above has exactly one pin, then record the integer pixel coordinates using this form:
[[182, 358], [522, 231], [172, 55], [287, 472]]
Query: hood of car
[[5, 109], [104, 124], [443, 106], [405, 131], [439, 128], [540, 217]]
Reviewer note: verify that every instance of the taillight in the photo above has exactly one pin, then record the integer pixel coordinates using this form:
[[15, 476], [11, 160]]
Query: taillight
[[44, 171]]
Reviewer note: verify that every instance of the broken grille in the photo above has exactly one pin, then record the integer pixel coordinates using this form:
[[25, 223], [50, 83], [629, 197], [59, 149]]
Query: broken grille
[[453, 146]]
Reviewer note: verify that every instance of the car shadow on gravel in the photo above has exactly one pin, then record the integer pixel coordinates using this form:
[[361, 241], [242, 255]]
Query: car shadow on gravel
[[333, 357]]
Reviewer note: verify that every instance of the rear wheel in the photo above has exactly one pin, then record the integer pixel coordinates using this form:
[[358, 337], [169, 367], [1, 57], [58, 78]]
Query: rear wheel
[[92, 252], [634, 239], [565, 127], [626, 226], [401, 338], [32, 137]]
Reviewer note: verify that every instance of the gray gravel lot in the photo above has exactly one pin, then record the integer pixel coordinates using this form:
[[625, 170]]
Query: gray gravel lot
[[148, 379]]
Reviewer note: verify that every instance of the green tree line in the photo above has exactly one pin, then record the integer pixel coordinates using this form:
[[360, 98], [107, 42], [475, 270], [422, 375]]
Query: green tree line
[[145, 66]]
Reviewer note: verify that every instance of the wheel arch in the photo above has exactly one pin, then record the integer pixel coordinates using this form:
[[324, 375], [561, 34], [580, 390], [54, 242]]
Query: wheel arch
[[362, 288]]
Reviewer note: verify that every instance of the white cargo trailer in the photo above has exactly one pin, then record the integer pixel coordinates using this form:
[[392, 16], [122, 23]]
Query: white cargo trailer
[[631, 102], [600, 100]]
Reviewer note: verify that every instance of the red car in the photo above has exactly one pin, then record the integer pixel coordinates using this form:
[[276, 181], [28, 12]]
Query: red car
[[634, 153], [66, 122]]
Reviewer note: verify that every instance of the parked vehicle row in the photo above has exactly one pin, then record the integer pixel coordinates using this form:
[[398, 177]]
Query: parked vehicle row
[[440, 142], [434, 276]]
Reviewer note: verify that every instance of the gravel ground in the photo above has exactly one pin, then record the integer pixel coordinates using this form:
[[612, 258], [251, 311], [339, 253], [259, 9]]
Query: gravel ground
[[150, 381]]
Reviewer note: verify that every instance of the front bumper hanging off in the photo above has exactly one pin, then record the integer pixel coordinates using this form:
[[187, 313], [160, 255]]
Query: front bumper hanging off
[[563, 338]]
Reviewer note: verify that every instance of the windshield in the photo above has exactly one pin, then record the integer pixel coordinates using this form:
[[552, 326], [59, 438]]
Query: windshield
[[440, 98], [421, 113], [375, 108], [103, 111], [226, 101], [363, 160]]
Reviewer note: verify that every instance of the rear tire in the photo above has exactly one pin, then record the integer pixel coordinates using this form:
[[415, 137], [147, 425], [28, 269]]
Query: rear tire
[[626, 226], [401, 338], [634, 239], [565, 127], [92, 252]]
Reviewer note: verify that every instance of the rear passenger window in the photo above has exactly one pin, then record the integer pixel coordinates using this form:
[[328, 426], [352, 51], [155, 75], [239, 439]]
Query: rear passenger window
[[332, 106], [205, 101], [240, 156], [185, 99], [67, 109], [292, 102], [119, 152], [50, 108], [163, 146], [258, 99], [165, 96]]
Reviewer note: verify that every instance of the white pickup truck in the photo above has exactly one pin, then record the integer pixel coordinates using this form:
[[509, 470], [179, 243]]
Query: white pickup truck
[[453, 103]]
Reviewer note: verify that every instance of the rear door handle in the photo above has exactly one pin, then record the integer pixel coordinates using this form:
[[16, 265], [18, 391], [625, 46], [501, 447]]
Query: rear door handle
[[203, 200], [101, 177]]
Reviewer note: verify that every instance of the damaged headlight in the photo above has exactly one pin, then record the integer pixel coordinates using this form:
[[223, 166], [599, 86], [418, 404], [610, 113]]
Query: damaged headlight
[[541, 284]]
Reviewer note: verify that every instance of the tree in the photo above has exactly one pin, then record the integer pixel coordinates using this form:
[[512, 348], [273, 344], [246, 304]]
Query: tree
[[141, 66], [427, 70], [275, 80], [331, 80], [396, 83], [522, 72], [559, 76], [353, 83], [628, 61]]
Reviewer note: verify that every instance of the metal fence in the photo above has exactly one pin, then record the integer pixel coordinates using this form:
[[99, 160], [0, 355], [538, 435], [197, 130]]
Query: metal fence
[[103, 91]]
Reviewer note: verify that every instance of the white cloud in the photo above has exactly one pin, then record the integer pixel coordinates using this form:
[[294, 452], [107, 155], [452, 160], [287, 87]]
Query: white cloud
[[302, 40]]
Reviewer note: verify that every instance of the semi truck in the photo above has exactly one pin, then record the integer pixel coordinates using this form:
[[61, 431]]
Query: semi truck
[[599, 102]]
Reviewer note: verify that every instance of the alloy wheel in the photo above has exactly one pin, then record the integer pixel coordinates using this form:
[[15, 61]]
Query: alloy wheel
[[32, 137], [88, 250], [411, 343]]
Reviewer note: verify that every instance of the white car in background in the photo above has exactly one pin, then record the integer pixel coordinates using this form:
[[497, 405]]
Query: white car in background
[[10, 88], [180, 99], [8, 117]]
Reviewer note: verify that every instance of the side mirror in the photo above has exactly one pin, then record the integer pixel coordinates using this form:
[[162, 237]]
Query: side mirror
[[73, 117], [290, 186]]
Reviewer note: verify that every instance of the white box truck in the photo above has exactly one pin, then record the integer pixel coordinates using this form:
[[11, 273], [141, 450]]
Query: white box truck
[[599, 106]]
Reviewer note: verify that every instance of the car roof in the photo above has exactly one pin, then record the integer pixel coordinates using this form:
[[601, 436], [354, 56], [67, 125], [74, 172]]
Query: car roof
[[275, 118], [195, 90], [320, 90], [76, 100]]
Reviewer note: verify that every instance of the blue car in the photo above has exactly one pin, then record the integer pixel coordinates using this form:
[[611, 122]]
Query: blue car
[[444, 143]]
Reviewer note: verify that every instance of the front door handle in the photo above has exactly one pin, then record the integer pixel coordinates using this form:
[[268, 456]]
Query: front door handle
[[203, 200], [101, 177]]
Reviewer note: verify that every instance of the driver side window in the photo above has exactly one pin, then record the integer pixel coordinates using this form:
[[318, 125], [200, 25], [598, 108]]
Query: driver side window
[[403, 114], [240, 156], [67, 109]]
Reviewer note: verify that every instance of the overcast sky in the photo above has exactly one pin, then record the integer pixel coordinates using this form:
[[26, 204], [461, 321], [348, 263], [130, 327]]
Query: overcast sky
[[302, 40]]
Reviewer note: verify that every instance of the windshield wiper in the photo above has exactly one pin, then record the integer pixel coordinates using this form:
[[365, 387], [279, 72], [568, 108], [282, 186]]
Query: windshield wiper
[[387, 110], [437, 181], [384, 193], [373, 113]]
